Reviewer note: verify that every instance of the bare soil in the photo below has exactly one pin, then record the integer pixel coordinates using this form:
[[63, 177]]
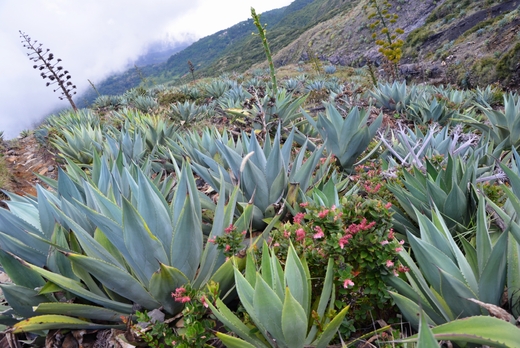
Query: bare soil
[[26, 159], [459, 28]]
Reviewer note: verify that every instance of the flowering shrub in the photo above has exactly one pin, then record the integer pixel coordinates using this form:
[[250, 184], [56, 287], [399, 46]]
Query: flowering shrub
[[359, 237], [230, 242], [197, 326], [371, 181]]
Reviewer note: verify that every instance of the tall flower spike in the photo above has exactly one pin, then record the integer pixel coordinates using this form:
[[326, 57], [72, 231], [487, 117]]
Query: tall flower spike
[[51, 73]]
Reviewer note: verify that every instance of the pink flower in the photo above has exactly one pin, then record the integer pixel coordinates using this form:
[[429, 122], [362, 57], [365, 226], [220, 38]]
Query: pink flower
[[212, 240], [353, 228], [401, 242], [179, 292], [304, 204], [385, 242], [402, 269], [300, 234], [398, 250], [228, 248], [344, 240], [389, 264], [364, 226], [298, 218], [203, 301], [244, 232], [391, 234], [388, 205], [183, 299], [229, 229], [319, 233], [286, 233], [323, 213], [347, 283]]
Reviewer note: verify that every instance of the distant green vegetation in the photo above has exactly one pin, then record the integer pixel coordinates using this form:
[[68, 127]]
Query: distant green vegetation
[[216, 53]]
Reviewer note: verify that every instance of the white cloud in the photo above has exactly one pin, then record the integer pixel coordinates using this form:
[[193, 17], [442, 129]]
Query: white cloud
[[95, 38]]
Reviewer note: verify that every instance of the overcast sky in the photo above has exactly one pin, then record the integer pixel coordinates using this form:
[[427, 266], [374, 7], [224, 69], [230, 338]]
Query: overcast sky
[[94, 39]]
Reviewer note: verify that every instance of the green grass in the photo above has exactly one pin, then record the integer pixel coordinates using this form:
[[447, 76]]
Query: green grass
[[5, 176]]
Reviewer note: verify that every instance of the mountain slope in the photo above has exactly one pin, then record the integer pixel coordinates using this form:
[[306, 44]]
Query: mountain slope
[[463, 42]]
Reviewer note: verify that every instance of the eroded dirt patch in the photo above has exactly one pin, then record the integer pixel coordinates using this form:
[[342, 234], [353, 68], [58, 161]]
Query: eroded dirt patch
[[25, 158]]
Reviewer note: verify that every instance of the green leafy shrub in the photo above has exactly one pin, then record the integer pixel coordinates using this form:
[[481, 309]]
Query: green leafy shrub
[[196, 328], [358, 236]]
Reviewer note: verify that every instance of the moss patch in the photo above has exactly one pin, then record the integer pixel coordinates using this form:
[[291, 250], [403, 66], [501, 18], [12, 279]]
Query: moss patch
[[508, 68]]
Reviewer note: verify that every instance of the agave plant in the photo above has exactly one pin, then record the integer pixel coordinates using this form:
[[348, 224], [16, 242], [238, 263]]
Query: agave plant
[[330, 69], [425, 112], [443, 277], [509, 214], [79, 142], [448, 189], [483, 330], [145, 104], [196, 146], [107, 102], [267, 112], [234, 98], [278, 301], [346, 138], [407, 147], [488, 96], [394, 97], [461, 99], [102, 255], [503, 126], [292, 85], [264, 175], [216, 88], [186, 112], [68, 119], [154, 129]]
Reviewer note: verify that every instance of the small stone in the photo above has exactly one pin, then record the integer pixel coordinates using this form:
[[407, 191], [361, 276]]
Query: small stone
[[50, 168]]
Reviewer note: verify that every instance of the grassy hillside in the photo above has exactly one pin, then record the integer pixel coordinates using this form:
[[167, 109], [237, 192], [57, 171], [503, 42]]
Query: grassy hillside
[[467, 43]]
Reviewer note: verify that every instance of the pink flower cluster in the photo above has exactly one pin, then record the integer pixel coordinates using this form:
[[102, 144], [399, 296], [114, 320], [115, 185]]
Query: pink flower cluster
[[300, 234], [363, 226], [180, 295], [297, 219], [370, 189], [353, 229], [347, 283], [319, 233], [344, 240], [323, 213]]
